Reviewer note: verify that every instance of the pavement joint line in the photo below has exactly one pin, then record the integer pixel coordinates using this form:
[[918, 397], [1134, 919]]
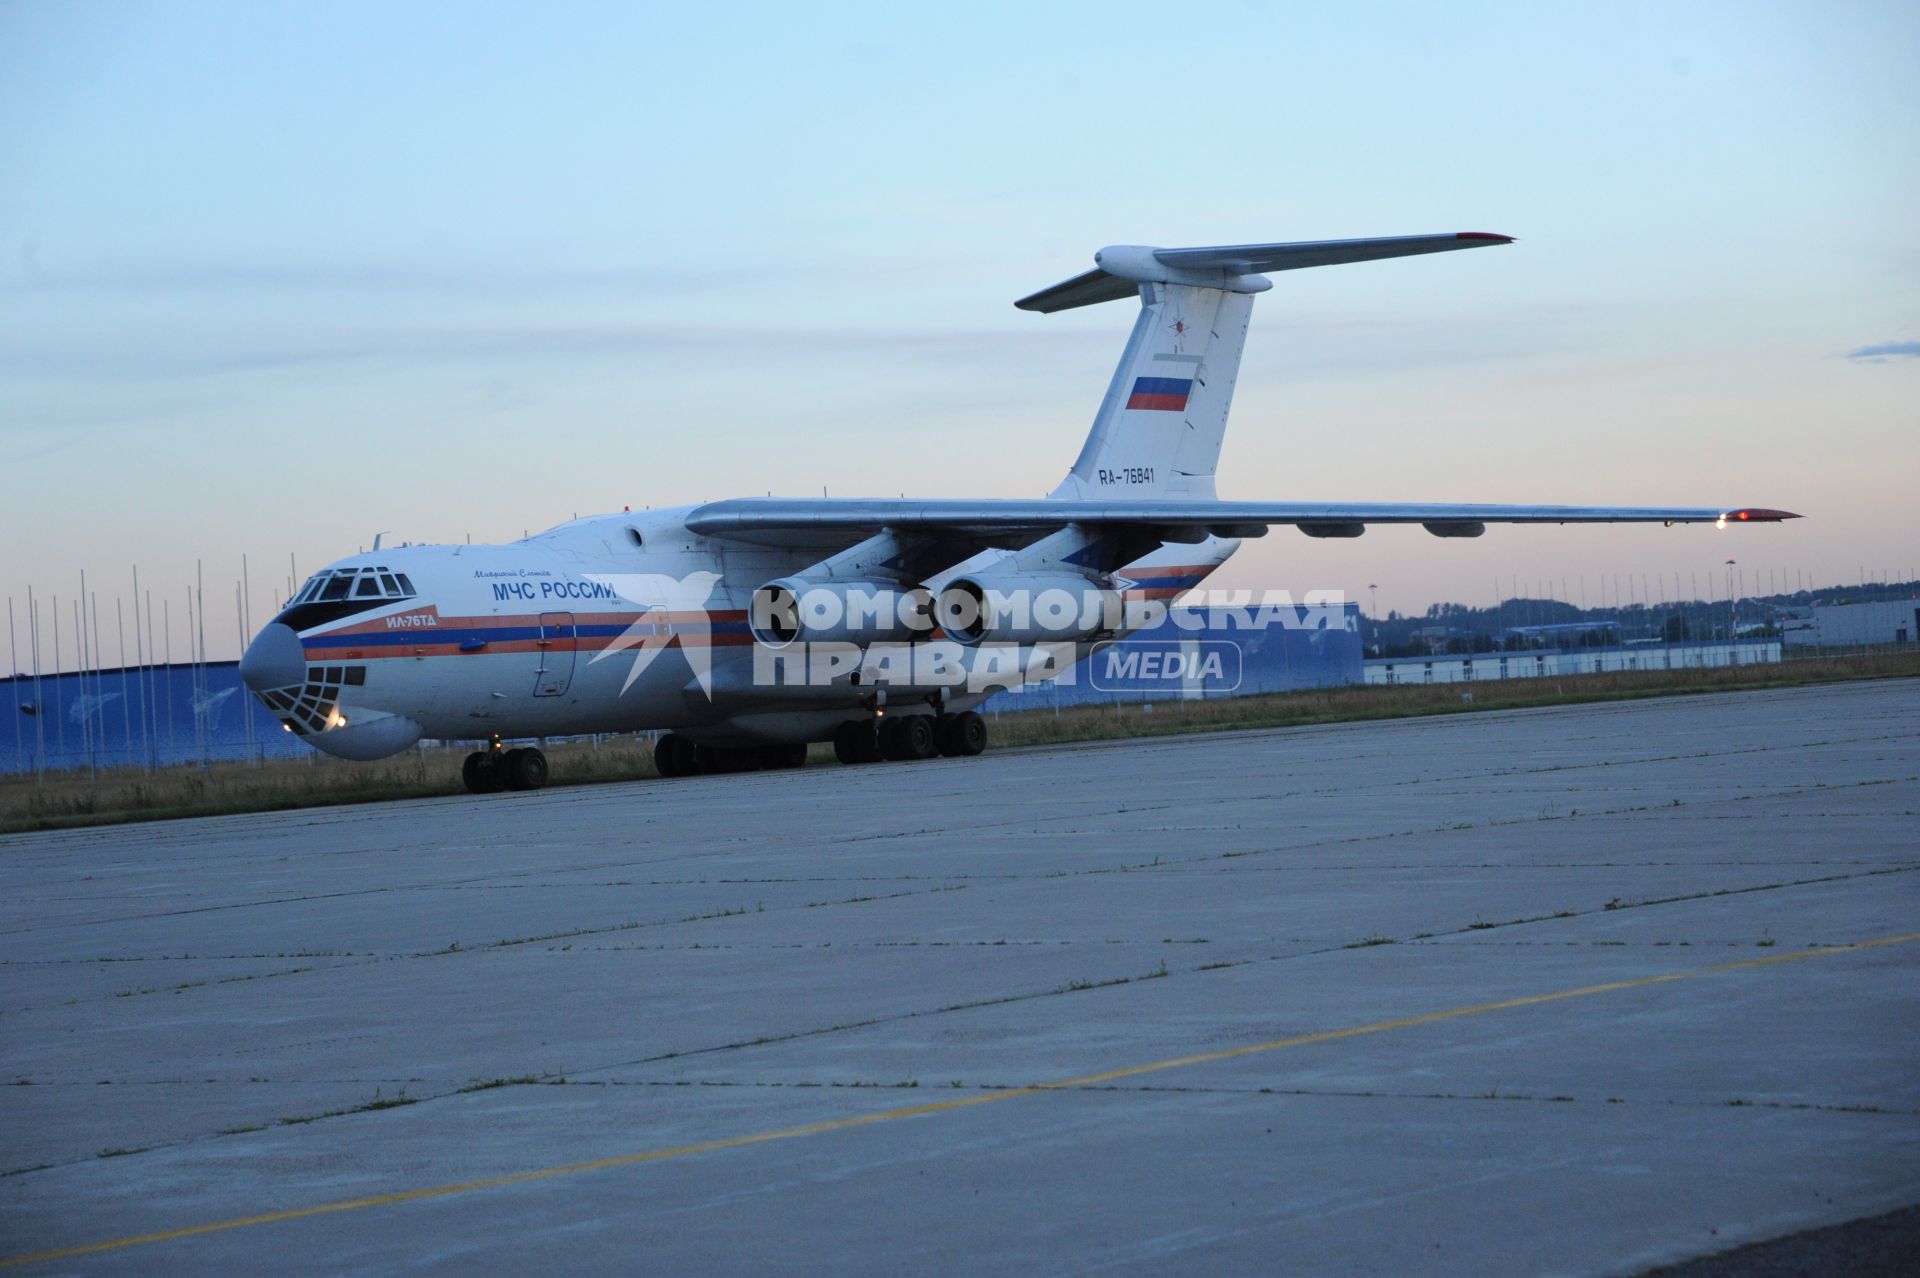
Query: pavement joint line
[[936, 1107]]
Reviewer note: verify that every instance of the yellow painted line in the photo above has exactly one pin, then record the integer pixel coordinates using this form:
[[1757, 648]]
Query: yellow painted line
[[935, 1107]]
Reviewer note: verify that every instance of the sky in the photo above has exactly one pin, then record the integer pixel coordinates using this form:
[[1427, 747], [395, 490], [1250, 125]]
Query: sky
[[275, 278]]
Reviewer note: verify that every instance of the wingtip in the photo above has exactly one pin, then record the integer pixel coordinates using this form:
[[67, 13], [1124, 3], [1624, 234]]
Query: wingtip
[[1484, 237], [1759, 515]]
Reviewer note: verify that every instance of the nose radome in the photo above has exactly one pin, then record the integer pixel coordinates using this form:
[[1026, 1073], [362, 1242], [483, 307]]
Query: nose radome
[[274, 659]]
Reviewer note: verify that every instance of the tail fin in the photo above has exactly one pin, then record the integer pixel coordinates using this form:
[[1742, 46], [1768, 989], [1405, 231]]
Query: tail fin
[[1159, 429]]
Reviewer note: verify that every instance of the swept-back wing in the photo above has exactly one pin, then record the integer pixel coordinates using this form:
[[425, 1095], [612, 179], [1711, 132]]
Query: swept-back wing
[[808, 521]]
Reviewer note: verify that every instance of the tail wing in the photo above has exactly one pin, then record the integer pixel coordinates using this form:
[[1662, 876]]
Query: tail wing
[[1123, 268], [1159, 429]]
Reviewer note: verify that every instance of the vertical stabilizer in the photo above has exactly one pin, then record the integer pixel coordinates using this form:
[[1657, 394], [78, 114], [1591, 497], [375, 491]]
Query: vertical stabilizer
[[1158, 430]]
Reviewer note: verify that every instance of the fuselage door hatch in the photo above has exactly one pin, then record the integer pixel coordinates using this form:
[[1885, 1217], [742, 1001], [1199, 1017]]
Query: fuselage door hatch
[[555, 673]]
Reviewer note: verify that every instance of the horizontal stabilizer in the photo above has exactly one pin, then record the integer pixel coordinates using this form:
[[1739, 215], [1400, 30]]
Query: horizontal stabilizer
[[1082, 290], [1234, 267], [1248, 259]]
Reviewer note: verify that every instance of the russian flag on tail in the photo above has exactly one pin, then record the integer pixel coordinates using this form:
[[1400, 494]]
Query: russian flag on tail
[[1166, 393]]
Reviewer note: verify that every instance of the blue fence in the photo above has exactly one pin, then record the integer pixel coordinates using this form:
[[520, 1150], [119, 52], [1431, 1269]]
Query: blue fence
[[122, 718], [1215, 653]]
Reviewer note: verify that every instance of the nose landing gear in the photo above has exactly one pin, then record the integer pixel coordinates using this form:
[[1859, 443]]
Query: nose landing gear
[[491, 770]]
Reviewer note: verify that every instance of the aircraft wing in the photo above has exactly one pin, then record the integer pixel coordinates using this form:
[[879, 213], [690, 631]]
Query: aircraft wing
[[826, 521]]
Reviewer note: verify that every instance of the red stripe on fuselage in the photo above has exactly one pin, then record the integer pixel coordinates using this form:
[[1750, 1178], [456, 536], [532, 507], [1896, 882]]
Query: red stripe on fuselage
[[689, 632]]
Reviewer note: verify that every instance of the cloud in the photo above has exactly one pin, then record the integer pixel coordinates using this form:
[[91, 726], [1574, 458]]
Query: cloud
[[207, 352], [365, 277], [1880, 353]]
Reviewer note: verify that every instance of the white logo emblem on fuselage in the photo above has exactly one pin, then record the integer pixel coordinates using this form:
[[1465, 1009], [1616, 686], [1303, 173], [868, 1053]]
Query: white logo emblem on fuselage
[[670, 607]]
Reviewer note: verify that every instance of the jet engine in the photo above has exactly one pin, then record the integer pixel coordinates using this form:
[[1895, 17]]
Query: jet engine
[[793, 609], [1026, 608]]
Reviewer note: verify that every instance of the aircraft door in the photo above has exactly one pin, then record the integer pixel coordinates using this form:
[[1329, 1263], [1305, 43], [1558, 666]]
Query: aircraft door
[[555, 674]]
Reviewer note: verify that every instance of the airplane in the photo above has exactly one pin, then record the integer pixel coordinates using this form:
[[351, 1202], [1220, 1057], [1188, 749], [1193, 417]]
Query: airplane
[[747, 629]]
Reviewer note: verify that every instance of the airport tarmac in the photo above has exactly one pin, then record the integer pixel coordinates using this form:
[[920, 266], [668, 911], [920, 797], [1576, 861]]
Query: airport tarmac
[[1580, 990]]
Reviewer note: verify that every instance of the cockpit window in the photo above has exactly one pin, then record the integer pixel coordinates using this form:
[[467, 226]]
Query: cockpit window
[[341, 592]]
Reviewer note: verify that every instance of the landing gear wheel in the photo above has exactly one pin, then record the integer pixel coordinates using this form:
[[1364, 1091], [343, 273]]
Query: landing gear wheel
[[673, 756], [525, 769], [962, 734], [909, 737], [856, 742], [480, 773]]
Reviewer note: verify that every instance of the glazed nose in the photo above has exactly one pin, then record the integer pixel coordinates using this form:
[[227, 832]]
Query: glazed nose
[[274, 659]]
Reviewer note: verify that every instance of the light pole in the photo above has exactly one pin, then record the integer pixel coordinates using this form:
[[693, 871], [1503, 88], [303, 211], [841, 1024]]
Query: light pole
[[1732, 615], [1373, 610]]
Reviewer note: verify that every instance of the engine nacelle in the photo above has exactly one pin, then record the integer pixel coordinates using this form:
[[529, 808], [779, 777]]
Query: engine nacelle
[[793, 609], [1026, 608]]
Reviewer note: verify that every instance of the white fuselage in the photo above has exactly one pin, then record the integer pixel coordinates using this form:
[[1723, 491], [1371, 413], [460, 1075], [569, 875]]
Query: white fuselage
[[615, 623]]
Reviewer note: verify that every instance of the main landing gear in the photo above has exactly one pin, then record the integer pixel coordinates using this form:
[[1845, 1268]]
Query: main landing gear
[[901, 737], [492, 770], [675, 756], [910, 736]]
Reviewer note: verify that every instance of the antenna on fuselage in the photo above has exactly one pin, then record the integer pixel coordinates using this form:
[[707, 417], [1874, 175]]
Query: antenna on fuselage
[[377, 536]]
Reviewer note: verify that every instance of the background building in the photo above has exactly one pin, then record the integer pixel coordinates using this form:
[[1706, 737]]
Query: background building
[[1479, 667], [1840, 625]]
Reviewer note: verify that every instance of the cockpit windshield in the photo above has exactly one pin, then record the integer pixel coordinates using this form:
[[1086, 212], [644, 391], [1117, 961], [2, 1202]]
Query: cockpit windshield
[[354, 583], [341, 592]]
